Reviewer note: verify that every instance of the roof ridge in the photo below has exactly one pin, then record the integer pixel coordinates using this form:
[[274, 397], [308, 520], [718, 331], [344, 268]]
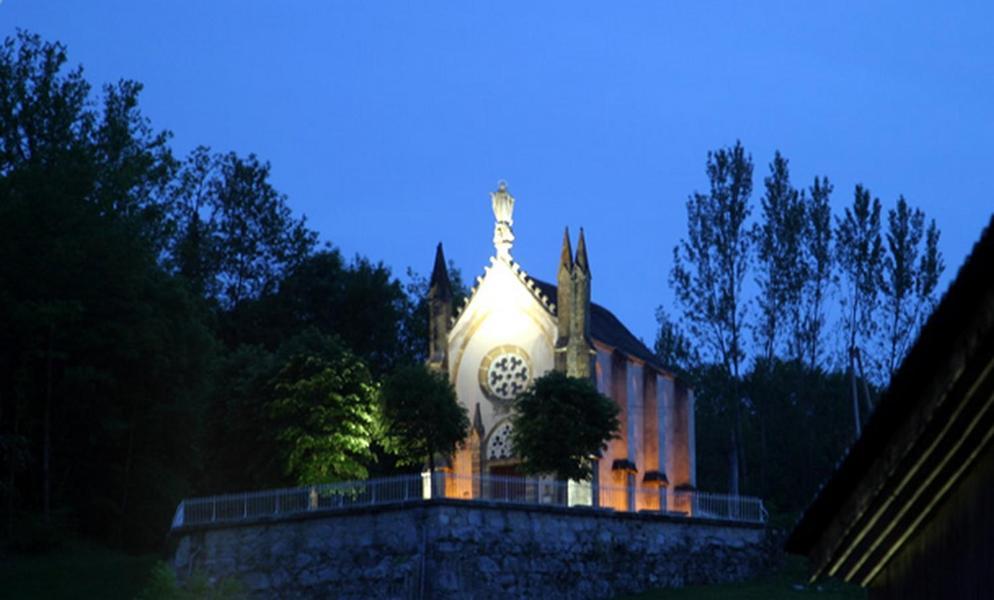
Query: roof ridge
[[527, 280]]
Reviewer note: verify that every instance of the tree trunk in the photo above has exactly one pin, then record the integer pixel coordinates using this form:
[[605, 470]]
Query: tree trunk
[[128, 461], [866, 387], [735, 460], [762, 458], [855, 394], [733, 464], [10, 471], [46, 460]]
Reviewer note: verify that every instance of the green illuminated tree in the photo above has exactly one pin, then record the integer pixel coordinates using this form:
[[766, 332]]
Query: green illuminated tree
[[324, 407], [560, 423]]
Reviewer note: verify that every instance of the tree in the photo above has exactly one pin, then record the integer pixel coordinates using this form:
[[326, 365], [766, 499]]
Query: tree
[[560, 425], [416, 325], [234, 235], [422, 416], [796, 429], [240, 446], [324, 410], [673, 348], [709, 266], [817, 256], [360, 302], [859, 253], [104, 358], [781, 268], [910, 275]]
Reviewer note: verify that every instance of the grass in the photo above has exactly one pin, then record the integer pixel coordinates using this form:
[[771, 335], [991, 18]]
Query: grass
[[789, 583], [76, 570]]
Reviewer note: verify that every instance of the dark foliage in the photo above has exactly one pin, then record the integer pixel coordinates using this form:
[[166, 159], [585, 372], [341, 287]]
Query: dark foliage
[[560, 423], [792, 404], [105, 357], [166, 327], [422, 417]]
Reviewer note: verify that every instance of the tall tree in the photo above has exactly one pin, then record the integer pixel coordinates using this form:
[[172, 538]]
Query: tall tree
[[912, 266], [781, 268], [99, 344], [859, 253], [673, 348], [709, 266], [416, 325], [361, 302], [234, 235], [817, 256]]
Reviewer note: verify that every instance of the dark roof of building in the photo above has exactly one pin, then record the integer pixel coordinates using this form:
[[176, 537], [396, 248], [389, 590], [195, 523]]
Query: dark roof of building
[[607, 329], [954, 339]]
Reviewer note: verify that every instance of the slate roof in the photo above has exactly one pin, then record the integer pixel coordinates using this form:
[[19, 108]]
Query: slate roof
[[607, 329]]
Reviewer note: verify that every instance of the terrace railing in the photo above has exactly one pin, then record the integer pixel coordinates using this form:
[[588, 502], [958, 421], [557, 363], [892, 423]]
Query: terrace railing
[[230, 508]]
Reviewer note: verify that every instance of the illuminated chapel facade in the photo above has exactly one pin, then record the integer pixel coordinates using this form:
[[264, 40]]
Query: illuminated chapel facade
[[513, 328]]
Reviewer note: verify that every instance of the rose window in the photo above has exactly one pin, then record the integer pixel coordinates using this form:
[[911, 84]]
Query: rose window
[[505, 372], [507, 376]]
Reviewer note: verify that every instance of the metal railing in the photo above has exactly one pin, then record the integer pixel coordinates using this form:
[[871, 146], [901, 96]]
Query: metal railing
[[722, 506], [490, 488], [288, 501]]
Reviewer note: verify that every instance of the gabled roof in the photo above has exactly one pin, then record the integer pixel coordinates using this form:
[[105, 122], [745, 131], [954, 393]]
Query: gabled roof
[[607, 329], [915, 420], [604, 326]]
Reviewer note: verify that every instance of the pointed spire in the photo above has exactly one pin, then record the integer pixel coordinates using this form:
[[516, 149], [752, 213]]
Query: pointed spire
[[439, 313], [566, 256], [564, 302], [478, 421], [440, 285], [579, 351], [581, 255]]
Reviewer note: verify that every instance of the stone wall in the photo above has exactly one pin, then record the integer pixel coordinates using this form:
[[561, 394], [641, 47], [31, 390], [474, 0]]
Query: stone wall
[[458, 549]]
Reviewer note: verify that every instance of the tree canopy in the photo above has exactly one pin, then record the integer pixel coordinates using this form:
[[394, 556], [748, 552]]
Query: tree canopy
[[561, 424], [422, 416], [168, 327], [324, 410], [833, 293]]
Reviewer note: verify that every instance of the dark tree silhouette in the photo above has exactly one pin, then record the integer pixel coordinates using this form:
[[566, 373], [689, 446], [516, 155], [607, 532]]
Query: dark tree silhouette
[[560, 424]]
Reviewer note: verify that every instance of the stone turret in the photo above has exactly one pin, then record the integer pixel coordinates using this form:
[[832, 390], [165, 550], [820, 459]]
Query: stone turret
[[580, 350], [564, 302], [440, 313]]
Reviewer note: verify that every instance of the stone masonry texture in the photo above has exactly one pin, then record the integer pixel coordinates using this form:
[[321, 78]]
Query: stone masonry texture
[[456, 549]]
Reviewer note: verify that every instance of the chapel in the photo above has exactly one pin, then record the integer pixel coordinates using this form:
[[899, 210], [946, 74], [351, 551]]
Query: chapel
[[513, 328]]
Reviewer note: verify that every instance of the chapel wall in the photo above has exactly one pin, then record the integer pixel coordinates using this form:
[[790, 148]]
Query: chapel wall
[[680, 437]]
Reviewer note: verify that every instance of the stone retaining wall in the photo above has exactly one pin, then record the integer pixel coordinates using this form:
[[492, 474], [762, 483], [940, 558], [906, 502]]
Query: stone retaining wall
[[459, 549]]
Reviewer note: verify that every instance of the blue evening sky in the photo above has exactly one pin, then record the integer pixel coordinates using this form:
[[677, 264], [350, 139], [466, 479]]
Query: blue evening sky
[[388, 123]]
